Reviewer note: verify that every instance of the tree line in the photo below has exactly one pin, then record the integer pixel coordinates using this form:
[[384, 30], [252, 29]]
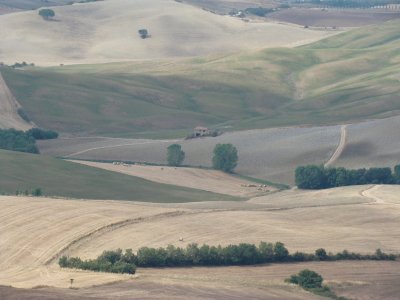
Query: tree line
[[243, 254], [318, 177], [24, 141]]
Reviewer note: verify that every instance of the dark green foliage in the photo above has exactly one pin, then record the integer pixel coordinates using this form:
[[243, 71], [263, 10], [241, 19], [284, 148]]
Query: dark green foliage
[[321, 254], [175, 155], [193, 255], [16, 140], [109, 261], [144, 33], [225, 157], [318, 177], [259, 11], [42, 134], [310, 177], [23, 115], [397, 173], [37, 192], [307, 279], [46, 13]]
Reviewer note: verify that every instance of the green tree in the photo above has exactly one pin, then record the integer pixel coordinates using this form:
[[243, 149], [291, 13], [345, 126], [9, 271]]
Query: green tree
[[225, 157], [47, 13], [321, 254], [307, 279], [397, 173], [175, 155], [280, 252]]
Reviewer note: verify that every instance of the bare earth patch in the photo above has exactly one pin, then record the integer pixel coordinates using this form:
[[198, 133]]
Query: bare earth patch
[[208, 180]]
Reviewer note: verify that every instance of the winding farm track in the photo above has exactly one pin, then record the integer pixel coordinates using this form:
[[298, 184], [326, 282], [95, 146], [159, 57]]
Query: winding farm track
[[9, 117], [367, 194], [340, 147]]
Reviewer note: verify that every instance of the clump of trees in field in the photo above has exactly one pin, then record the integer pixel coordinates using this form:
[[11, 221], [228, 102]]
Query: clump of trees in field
[[225, 157], [47, 13], [259, 11], [175, 155], [109, 261], [319, 177], [193, 255], [17, 140], [312, 281], [143, 33]]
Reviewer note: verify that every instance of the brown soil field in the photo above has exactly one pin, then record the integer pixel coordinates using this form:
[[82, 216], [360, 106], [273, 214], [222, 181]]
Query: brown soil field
[[208, 180], [334, 17], [8, 109], [36, 231], [107, 31], [271, 154]]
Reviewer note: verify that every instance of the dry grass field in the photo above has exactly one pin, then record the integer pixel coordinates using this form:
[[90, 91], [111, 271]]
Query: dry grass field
[[8, 109], [107, 31], [207, 180], [36, 231], [356, 280]]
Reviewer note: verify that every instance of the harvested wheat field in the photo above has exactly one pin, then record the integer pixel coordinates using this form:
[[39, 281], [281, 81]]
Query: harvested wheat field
[[356, 280], [350, 219], [107, 31], [207, 180]]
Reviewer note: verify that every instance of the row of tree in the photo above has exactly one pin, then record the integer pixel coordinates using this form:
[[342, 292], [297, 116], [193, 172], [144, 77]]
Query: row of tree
[[225, 156], [205, 255], [24, 141], [319, 177]]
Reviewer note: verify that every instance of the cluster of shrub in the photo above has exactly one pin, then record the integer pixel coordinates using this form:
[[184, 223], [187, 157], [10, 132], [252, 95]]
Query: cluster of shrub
[[109, 261], [35, 192], [24, 141], [319, 177], [312, 282], [193, 255], [259, 11]]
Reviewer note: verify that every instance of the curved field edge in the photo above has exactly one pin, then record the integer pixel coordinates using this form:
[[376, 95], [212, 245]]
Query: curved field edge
[[20, 172], [351, 76]]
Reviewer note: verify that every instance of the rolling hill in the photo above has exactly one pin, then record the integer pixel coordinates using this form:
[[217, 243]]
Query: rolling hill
[[106, 31], [349, 77], [20, 172]]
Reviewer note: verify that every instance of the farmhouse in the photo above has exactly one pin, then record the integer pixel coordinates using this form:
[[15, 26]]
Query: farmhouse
[[201, 131]]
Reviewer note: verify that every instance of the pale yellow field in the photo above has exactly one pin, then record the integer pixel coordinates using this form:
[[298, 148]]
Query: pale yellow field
[[107, 31], [208, 180], [35, 231]]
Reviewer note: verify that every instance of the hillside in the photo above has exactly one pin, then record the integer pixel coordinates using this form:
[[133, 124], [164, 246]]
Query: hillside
[[106, 31], [55, 177], [333, 219], [348, 77]]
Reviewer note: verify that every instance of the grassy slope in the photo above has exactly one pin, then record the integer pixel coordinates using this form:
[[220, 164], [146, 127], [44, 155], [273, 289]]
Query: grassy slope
[[21, 171], [351, 76]]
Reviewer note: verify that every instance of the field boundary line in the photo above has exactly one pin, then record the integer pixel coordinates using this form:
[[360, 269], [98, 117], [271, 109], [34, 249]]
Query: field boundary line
[[339, 150], [114, 226]]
